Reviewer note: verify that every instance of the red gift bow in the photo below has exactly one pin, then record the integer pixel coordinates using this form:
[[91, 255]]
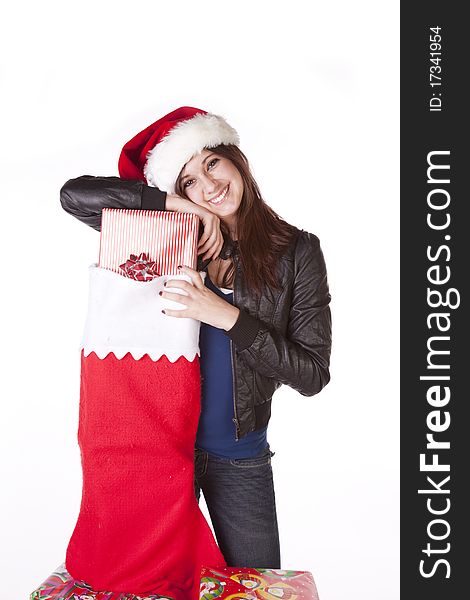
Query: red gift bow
[[140, 268]]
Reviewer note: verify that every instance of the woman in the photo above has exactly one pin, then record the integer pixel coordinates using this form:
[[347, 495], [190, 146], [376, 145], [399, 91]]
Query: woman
[[264, 309]]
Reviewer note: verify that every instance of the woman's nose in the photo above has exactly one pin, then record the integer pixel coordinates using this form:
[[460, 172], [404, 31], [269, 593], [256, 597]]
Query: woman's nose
[[209, 184]]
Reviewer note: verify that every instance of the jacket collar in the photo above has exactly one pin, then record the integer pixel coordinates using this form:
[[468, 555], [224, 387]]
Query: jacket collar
[[229, 248]]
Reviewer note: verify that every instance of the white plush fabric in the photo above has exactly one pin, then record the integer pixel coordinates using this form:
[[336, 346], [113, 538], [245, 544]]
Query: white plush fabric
[[126, 316], [185, 140]]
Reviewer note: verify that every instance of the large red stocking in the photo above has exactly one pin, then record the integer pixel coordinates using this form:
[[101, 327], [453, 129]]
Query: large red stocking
[[140, 529]]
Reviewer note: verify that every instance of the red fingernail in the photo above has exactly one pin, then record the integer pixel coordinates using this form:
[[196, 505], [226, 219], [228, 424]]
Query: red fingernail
[[164, 284], [179, 266], [163, 312], [160, 293]]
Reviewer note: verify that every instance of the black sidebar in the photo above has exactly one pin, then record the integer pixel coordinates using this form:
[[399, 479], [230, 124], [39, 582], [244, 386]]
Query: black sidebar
[[435, 270]]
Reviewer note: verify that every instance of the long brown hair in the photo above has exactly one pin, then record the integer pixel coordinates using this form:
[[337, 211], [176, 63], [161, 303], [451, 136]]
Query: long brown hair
[[263, 235]]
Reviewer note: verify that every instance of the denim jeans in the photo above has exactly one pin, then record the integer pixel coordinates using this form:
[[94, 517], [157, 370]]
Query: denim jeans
[[239, 494]]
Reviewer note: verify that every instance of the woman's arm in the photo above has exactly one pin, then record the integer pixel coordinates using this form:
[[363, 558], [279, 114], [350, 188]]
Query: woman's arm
[[86, 196], [301, 358]]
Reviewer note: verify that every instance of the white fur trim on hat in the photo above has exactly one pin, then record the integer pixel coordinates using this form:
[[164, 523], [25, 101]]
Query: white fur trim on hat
[[187, 138]]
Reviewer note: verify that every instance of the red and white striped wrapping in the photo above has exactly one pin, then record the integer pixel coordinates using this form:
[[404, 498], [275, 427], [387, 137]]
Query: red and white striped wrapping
[[168, 238]]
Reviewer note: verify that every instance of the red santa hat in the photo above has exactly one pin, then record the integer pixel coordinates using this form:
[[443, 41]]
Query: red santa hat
[[158, 153]]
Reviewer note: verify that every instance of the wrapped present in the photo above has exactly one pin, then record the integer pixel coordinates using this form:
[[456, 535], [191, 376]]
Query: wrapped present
[[167, 238], [256, 584], [62, 586]]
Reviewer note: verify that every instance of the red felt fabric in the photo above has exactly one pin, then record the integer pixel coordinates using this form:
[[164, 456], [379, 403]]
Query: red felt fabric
[[140, 529], [134, 153]]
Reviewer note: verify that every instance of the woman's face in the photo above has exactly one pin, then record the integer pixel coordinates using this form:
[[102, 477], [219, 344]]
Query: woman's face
[[213, 182]]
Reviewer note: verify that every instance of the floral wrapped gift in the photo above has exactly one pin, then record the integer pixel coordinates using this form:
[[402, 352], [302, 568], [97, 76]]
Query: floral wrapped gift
[[62, 586], [256, 584]]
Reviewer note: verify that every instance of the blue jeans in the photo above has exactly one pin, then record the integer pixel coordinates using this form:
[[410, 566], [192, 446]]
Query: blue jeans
[[239, 494]]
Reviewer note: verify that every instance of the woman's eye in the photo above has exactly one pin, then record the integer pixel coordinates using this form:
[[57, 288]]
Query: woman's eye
[[188, 182], [212, 163]]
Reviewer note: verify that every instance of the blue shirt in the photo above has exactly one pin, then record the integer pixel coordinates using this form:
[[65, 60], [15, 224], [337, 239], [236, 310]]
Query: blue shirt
[[216, 431]]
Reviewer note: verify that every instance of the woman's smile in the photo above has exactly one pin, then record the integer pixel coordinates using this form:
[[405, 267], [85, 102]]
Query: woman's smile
[[221, 197]]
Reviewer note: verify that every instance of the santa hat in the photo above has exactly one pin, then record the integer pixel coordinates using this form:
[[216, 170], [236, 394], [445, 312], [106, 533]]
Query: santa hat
[[158, 153]]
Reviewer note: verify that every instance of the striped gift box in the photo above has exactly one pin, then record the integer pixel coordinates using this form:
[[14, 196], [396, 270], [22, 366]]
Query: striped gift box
[[168, 238]]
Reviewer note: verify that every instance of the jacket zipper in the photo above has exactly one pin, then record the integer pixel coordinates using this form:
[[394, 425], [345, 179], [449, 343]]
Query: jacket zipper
[[235, 419]]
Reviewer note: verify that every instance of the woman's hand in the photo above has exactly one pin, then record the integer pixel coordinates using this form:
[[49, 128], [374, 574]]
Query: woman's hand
[[202, 304], [211, 241]]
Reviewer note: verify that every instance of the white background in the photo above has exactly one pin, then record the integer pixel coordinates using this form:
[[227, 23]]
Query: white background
[[312, 88]]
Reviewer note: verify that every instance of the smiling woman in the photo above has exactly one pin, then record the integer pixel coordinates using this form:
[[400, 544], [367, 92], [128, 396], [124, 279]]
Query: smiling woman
[[214, 182], [263, 308], [262, 237]]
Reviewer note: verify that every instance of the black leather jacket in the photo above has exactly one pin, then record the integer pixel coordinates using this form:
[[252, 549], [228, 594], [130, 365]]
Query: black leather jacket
[[281, 337]]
